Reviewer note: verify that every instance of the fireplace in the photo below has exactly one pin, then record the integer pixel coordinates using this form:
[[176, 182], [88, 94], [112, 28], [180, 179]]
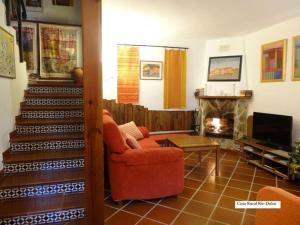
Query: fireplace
[[220, 125]]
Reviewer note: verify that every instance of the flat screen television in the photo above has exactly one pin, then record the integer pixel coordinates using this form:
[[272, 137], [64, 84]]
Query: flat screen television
[[273, 130]]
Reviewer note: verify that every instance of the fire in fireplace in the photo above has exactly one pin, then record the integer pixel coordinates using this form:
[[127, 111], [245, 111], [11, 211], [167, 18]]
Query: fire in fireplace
[[219, 125]]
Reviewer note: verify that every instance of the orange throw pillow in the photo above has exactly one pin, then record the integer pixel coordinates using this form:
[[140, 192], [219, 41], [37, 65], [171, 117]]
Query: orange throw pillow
[[132, 129], [132, 142]]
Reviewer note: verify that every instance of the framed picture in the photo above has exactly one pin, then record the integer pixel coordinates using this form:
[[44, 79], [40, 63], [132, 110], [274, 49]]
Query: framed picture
[[151, 70], [225, 68], [29, 36], [60, 50], [34, 5], [273, 61], [7, 55], [63, 2], [296, 59]]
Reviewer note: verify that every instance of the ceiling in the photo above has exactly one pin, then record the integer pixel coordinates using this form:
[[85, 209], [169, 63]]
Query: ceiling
[[195, 18]]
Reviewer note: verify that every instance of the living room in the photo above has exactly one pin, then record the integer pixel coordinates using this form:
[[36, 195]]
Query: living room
[[179, 187]]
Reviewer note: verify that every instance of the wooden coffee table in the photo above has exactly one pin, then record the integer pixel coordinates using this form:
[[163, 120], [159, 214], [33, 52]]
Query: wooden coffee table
[[197, 144]]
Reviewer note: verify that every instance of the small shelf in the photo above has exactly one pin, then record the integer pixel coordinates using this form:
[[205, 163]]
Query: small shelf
[[224, 97], [273, 160]]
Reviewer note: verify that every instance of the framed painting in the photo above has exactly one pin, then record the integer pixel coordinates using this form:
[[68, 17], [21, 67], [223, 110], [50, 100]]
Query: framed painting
[[29, 36], [34, 5], [225, 68], [60, 50], [151, 70], [7, 55], [296, 59], [63, 2], [273, 61]]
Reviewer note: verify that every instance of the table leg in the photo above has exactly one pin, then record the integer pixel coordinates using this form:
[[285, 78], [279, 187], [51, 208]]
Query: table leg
[[217, 160]]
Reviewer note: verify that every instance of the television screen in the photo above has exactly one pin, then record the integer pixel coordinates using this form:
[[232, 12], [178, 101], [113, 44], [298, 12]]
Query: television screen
[[273, 129]]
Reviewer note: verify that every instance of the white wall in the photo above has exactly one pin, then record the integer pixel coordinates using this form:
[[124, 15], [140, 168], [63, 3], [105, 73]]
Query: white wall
[[11, 93], [58, 14], [276, 97]]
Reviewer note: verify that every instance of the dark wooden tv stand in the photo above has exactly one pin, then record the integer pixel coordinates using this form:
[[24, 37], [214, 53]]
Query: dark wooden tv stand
[[273, 160]]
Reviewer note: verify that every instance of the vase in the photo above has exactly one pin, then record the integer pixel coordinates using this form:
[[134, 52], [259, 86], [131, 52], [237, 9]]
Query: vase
[[77, 74]]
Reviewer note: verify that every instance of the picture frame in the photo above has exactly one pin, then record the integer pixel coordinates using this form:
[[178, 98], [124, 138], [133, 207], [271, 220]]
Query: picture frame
[[7, 55], [29, 36], [60, 50], [34, 5], [273, 61], [296, 59], [63, 2], [225, 68], [151, 70]]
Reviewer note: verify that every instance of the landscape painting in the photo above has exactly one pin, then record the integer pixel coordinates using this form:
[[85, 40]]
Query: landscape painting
[[296, 58]]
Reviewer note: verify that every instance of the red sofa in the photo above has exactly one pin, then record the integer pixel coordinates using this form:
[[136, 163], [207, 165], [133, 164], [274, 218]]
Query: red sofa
[[150, 172]]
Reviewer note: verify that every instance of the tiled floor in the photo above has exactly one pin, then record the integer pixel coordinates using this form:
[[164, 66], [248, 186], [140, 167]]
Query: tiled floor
[[206, 199]]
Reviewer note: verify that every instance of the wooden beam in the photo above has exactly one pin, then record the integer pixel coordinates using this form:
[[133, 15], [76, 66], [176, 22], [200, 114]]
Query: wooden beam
[[92, 82]]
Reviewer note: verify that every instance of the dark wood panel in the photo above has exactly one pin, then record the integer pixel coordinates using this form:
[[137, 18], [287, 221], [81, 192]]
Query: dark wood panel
[[92, 82], [154, 120]]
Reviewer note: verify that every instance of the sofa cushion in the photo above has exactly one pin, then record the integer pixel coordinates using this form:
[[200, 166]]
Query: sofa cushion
[[106, 112], [149, 156], [148, 143], [132, 129], [144, 131], [134, 144], [112, 136]]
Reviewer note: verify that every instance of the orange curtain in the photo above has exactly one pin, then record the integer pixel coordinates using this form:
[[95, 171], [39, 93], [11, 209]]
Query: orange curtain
[[128, 74], [175, 79]]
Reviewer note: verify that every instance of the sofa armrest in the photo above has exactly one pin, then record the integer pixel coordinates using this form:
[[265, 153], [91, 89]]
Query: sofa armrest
[[287, 215], [144, 131], [148, 156]]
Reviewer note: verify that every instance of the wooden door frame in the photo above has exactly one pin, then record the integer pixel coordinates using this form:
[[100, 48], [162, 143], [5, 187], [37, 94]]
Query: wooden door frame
[[92, 83]]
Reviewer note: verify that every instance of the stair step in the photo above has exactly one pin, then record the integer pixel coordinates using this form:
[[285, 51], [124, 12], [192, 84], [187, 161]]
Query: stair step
[[21, 157], [54, 84], [45, 137], [75, 222], [40, 177], [55, 90], [43, 210], [22, 121], [36, 184], [49, 129]]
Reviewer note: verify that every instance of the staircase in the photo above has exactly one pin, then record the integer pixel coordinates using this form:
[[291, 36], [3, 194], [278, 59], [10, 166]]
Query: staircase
[[43, 179]]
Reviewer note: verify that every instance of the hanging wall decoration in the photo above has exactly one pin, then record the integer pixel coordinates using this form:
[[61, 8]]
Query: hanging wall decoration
[[63, 2], [34, 5], [296, 59], [60, 48], [7, 55], [225, 68], [273, 61], [29, 36], [151, 70]]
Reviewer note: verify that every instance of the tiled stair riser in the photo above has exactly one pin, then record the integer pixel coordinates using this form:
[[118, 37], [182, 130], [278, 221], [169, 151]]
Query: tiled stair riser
[[47, 145], [53, 101], [48, 129], [41, 190], [55, 90], [43, 166], [49, 114], [45, 217]]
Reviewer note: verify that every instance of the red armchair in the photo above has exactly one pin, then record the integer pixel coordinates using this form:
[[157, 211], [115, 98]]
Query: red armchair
[[150, 172]]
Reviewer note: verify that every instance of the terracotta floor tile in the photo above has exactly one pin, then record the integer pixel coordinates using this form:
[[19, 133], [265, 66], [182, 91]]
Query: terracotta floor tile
[[244, 171], [187, 192], [213, 222], [239, 184], [252, 196], [211, 187], [229, 203], [138, 207], [174, 202], [187, 219], [112, 203], [147, 221], [236, 193], [108, 211], [251, 211], [257, 187], [217, 180], [123, 218], [192, 183], [241, 177], [206, 197], [196, 175], [227, 216], [264, 181], [199, 209], [162, 214], [249, 220]]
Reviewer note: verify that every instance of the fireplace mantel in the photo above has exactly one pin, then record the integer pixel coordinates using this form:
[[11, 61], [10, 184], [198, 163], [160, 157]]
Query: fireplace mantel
[[225, 97]]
